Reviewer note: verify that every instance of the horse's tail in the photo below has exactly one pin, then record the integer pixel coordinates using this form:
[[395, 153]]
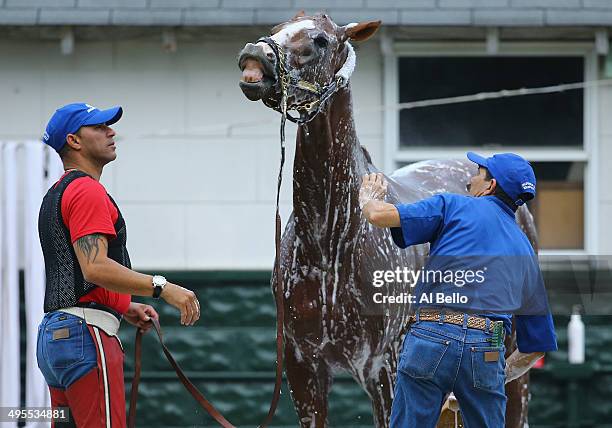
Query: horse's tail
[[366, 154], [527, 224]]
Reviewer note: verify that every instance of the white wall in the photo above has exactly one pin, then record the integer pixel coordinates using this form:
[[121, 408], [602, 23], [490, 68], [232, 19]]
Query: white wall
[[196, 193], [605, 172]]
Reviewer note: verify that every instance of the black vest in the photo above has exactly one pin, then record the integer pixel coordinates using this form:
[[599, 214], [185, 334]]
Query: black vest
[[65, 283]]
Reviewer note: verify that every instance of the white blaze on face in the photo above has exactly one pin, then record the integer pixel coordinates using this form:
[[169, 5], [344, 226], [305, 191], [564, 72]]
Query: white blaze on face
[[292, 29]]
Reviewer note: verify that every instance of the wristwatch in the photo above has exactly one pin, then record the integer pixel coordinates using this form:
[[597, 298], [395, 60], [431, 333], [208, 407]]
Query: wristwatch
[[159, 282]]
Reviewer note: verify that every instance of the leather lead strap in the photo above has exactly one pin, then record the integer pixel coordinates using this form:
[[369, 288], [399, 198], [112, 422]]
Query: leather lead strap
[[135, 380], [199, 397], [280, 322], [280, 307]]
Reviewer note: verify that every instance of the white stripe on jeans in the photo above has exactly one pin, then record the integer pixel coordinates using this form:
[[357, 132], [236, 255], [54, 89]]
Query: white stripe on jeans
[[105, 376]]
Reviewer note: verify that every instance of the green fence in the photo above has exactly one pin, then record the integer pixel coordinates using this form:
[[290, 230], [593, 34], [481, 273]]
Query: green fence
[[230, 355]]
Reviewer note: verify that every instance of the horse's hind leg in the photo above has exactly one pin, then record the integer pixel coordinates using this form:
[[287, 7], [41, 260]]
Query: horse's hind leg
[[380, 389], [309, 383]]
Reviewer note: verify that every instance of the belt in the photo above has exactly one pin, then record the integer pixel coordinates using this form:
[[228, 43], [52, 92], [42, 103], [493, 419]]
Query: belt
[[96, 305], [450, 317], [96, 317]]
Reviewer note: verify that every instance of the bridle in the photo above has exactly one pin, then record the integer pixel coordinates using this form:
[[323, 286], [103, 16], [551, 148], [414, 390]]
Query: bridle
[[319, 95]]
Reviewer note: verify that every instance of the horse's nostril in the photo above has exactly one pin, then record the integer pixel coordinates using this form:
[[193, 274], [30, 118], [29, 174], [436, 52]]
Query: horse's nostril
[[270, 56]]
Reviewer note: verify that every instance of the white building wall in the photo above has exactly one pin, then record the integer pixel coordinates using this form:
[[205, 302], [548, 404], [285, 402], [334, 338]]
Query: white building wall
[[197, 162], [605, 170]]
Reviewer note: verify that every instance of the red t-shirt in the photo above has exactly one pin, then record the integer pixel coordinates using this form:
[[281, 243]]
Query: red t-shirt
[[87, 209]]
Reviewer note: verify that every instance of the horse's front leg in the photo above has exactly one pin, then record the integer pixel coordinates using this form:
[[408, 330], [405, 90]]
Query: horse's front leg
[[309, 382]]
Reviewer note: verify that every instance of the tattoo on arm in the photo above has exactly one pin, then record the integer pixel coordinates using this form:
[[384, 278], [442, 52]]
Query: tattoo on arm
[[90, 246]]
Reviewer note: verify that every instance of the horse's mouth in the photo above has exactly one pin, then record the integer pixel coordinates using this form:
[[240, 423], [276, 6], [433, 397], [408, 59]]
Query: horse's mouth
[[252, 70], [258, 73], [255, 84]]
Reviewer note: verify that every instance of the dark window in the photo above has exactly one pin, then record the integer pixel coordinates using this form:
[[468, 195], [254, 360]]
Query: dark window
[[533, 120]]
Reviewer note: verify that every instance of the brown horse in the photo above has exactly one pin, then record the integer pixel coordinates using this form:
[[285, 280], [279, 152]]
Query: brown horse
[[329, 252]]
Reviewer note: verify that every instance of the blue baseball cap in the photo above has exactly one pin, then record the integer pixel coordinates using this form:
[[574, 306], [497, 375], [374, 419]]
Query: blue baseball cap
[[513, 174], [68, 119]]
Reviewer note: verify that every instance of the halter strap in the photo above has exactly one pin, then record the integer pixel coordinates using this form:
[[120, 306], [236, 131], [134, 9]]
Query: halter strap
[[310, 109]]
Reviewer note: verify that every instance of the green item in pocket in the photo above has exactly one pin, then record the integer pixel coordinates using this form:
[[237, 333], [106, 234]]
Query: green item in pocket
[[497, 338]]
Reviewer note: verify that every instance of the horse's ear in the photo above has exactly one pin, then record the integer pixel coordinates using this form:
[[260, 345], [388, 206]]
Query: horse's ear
[[361, 31], [300, 14]]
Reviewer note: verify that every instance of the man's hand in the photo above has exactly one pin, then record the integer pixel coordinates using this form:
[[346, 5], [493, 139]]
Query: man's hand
[[184, 300], [373, 188], [371, 201], [140, 315]]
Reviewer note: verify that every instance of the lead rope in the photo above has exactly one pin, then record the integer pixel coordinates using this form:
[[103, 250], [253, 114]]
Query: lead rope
[[193, 390], [280, 308]]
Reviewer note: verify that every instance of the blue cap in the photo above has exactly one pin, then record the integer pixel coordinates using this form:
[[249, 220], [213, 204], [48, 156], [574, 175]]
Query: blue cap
[[513, 174], [68, 119]]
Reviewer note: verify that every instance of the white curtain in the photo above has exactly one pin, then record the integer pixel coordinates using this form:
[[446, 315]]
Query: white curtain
[[2, 197], [44, 168], [29, 169], [53, 166], [9, 288]]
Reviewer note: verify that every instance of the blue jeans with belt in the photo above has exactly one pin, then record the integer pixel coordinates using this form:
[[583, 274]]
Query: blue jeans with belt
[[438, 358]]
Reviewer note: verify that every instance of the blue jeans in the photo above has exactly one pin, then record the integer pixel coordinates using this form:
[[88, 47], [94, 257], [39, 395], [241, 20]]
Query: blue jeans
[[439, 358], [63, 360]]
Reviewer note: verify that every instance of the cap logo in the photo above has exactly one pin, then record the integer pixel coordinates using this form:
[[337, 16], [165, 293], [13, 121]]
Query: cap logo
[[90, 108], [528, 185], [46, 136]]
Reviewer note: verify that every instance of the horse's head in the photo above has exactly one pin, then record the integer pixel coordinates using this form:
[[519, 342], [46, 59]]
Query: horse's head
[[307, 53]]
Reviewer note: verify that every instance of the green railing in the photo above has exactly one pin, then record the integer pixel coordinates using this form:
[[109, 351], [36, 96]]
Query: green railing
[[230, 356]]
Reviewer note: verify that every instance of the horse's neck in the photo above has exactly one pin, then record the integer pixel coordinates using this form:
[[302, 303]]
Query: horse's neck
[[328, 167]]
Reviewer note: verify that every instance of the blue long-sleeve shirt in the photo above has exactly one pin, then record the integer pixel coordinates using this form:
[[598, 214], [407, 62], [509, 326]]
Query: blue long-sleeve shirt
[[469, 232]]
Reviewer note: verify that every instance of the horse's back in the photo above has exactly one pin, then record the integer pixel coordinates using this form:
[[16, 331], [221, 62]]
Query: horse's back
[[426, 178], [420, 180]]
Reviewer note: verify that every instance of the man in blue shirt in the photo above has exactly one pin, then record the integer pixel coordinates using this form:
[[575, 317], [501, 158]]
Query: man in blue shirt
[[451, 348]]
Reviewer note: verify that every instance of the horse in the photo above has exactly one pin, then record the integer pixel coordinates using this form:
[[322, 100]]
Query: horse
[[329, 252]]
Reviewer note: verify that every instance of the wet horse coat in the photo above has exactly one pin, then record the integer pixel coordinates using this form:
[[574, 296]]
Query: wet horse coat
[[329, 251]]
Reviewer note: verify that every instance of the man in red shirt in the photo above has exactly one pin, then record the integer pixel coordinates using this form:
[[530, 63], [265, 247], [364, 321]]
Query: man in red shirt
[[89, 280]]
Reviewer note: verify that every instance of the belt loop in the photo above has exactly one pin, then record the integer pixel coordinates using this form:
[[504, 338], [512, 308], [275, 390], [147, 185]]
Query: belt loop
[[487, 326], [465, 321], [441, 317], [418, 315]]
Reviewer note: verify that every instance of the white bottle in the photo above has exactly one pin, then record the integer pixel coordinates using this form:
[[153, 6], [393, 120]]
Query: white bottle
[[575, 337]]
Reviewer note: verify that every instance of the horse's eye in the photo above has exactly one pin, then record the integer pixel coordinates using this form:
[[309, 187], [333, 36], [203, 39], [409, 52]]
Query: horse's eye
[[321, 41]]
